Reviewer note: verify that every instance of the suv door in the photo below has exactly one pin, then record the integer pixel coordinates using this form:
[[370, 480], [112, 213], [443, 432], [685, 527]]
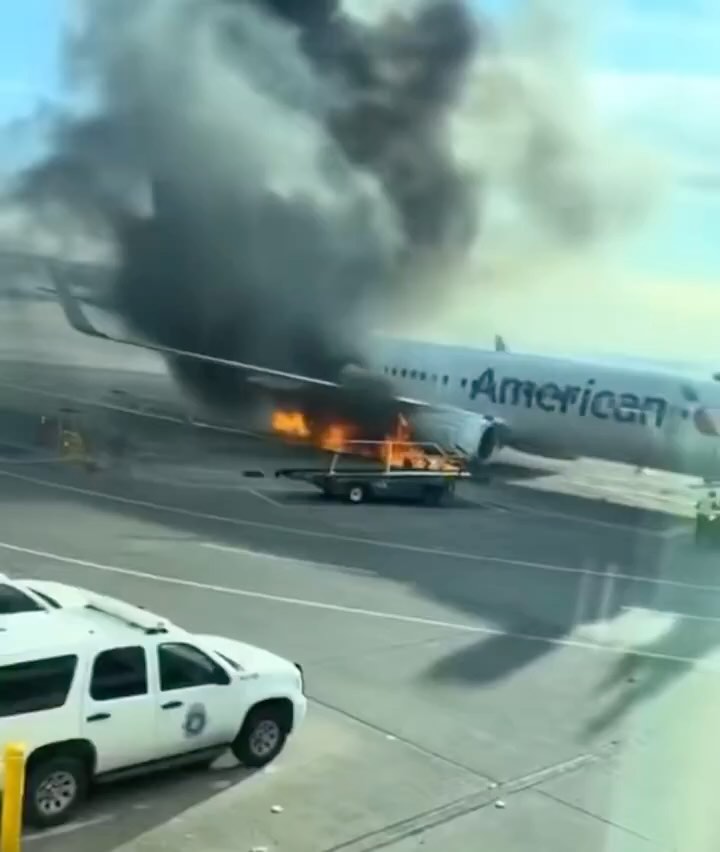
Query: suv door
[[197, 702], [119, 710]]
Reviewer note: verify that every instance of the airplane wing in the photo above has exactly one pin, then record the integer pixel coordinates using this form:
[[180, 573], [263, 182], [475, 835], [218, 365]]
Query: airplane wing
[[59, 271]]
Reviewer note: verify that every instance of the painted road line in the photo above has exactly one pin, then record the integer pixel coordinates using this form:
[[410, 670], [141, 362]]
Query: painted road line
[[584, 573], [267, 499], [476, 629], [673, 614], [512, 506], [68, 828], [368, 542]]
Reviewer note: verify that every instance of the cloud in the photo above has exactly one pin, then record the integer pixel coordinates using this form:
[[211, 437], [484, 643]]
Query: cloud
[[677, 114], [584, 304]]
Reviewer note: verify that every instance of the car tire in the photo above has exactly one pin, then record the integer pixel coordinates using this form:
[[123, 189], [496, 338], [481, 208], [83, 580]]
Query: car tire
[[357, 493], [54, 789], [262, 736]]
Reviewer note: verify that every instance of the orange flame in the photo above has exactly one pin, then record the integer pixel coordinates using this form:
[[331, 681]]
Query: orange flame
[[291, 423], [397, 450], [335, 438]]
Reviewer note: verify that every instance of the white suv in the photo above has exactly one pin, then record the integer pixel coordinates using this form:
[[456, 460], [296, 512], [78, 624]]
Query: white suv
[[103, 689]]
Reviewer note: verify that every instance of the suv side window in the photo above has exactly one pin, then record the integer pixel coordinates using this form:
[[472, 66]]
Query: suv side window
[[119, 673], [34, 686], [183, 666]]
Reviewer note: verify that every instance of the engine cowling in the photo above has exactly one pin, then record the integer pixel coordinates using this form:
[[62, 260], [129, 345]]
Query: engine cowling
[[473, 435]]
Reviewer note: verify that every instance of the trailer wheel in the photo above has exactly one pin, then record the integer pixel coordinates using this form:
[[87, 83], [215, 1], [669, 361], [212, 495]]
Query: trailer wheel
[[357, 493]]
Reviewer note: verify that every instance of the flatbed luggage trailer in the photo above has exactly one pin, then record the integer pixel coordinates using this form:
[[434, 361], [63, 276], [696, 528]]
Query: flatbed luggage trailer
[[434, 482]]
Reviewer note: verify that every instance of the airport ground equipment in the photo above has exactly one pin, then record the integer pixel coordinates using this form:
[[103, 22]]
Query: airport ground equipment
[[707, 520], [400, 471]]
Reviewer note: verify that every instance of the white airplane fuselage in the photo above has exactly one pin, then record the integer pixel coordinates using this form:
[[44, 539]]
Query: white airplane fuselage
[[639, 416], [644, 416]]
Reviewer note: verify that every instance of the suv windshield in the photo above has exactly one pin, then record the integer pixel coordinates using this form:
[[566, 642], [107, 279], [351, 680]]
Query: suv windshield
[[12, 600]]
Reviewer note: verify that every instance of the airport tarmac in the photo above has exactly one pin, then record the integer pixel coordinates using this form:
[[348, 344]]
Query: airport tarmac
[[534, 667], [521, 670]]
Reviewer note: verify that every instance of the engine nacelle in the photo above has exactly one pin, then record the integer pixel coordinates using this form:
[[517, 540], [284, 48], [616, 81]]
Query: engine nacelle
[[473, 435]]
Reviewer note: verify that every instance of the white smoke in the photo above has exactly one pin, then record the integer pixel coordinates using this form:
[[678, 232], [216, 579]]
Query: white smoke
[[562, 193]]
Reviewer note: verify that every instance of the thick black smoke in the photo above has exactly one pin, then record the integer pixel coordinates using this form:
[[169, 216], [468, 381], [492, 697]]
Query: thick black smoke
[[269, 170]]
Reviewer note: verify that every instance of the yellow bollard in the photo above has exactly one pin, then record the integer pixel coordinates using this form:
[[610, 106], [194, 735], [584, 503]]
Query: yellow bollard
[[12, 804]]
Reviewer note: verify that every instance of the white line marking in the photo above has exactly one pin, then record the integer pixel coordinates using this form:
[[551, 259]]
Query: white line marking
[[267, 499], [69, 828], [348, 610], [36, 391], [585, 573], [672, 613], [621, 489], [178, 483], [549, 513], [258, 554], [139, 412], [274, 557], [369, 542]]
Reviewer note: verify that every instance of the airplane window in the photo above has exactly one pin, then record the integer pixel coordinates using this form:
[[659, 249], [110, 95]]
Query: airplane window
[[413, 374], [394, 371], [445, 379], [403, 372], [463, 383], [423, 376]]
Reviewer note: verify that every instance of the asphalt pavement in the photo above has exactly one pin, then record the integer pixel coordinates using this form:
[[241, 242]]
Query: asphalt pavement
[[520, 670]]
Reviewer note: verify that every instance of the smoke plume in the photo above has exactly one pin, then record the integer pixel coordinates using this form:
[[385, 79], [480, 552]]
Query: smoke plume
[[566, 190], [270, 171]]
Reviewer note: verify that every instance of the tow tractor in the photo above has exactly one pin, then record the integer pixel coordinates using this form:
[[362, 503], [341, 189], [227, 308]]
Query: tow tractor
[[425, 472]]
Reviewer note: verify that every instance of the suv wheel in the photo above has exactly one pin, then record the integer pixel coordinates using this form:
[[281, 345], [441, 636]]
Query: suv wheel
[[54, 788], [262, 736]]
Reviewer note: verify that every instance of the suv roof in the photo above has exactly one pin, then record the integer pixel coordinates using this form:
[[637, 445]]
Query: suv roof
[[24, 595], [99, 620], [49, 594]]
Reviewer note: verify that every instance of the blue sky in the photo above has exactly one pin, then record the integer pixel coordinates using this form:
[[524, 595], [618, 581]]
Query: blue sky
[[29, 66], [656, 64]]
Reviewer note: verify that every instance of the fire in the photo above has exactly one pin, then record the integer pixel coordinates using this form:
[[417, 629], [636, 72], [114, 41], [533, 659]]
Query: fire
[[335, 438], [294, 424], [396, 450], [291, 423]]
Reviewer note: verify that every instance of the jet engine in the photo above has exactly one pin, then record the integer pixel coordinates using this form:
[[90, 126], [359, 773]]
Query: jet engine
[[475, 436]]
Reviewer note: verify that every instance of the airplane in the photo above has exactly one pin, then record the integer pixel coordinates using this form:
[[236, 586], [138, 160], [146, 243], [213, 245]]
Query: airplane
[[476, 401], [559, 407]]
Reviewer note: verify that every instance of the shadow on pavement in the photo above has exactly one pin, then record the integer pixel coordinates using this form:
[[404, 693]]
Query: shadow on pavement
[[609, 571], [118, 813]]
